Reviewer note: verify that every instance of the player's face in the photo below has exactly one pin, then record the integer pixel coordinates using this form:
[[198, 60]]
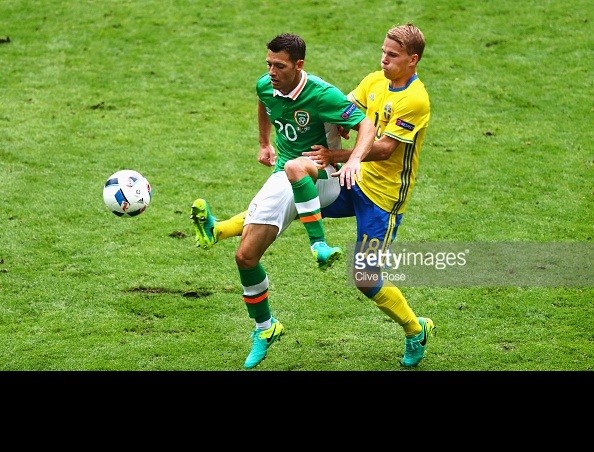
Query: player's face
[[398, 66], [284, 74]]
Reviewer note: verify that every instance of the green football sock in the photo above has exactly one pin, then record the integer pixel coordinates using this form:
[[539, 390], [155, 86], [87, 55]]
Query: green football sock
[[308, 206], [255, 292]]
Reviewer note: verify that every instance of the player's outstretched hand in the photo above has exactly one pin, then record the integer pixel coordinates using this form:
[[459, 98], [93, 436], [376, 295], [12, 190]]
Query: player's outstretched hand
[[349, 173]]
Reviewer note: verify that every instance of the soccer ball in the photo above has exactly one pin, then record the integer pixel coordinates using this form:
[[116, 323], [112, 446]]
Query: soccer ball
[[127, 193]]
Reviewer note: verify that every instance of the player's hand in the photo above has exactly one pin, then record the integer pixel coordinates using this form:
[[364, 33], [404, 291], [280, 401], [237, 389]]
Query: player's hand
[[343, 132], [319, 154], [349, 173], [267, 155]]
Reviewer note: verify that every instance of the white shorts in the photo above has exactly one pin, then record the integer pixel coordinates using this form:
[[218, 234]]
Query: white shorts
[[274, 203]]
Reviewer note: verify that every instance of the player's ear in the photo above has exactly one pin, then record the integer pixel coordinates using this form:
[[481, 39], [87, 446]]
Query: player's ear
[[299, 64]]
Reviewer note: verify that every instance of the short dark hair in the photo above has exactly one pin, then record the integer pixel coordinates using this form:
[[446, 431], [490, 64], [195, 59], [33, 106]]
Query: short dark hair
[[292, 44]]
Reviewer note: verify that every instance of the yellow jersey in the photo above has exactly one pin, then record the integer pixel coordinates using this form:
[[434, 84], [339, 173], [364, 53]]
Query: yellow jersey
[[400, 113]]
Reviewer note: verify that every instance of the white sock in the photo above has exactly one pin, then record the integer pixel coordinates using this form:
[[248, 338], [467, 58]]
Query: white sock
[[264, 325]]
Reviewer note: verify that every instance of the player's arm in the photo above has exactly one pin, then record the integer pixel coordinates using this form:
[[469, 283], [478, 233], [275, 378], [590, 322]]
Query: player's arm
[[381, 149], [350, 172], [266, 154]]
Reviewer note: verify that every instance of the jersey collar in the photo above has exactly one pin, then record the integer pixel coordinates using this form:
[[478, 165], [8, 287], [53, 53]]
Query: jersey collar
[[402, 88], [295, 93]]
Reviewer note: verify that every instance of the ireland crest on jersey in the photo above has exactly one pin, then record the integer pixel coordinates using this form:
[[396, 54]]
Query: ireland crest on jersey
[[302, 119]]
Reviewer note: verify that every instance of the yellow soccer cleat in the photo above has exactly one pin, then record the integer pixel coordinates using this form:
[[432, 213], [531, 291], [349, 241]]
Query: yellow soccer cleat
[[205, 224]]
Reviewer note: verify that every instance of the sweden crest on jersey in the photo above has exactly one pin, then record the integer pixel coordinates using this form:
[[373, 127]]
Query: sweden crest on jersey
[[388, 111]]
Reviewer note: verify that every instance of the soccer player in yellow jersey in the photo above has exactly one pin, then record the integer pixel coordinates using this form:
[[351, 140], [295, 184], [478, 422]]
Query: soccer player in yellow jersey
[[397, 102]]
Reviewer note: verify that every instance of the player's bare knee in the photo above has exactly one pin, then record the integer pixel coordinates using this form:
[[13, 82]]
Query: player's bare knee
[[298, 168], [294, 170], [245, 260]]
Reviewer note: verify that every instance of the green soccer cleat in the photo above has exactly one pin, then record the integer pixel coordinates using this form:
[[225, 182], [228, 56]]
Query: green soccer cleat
[[415, 347], [325, 255], [262, 339], [204, 224]]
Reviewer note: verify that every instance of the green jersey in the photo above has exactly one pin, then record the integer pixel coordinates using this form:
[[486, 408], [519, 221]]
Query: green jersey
[[305, 116]]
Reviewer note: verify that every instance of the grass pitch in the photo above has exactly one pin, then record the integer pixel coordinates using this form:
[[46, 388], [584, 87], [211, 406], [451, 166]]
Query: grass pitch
[[169, 90]]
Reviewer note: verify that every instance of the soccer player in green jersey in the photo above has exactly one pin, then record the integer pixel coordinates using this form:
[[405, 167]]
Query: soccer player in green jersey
[[305, 111], [397, 102]]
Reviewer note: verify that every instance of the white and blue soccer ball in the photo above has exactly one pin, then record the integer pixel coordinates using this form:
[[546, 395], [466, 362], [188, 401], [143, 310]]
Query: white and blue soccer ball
[[127, 193]]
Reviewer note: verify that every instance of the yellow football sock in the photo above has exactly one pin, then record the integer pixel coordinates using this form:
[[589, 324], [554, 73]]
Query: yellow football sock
[[231, 227], [391, 301]]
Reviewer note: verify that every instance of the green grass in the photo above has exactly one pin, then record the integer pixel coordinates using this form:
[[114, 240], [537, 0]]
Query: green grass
[[169, 90]]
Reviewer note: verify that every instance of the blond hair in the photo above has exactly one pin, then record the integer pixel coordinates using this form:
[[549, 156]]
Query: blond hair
[[409, 37]]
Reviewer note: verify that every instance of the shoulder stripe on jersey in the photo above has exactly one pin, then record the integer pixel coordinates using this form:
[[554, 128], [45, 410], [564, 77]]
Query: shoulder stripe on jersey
[[357, 102]]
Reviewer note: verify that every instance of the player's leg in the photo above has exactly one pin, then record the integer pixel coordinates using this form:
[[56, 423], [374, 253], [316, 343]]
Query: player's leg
[[271, 211], [303, 174], [209, 230], [376, 230], [254, 280], [231, 227]]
